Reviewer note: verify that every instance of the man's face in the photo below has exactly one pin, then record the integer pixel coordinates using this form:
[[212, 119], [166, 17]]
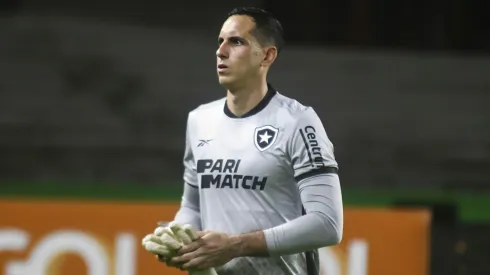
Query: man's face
[[239, 54]]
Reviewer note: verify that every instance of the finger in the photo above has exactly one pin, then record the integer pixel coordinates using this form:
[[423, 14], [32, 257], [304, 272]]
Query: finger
[[159, 249], [163, 230], [167, 261], [180, 233], [195, 263], [193, 246], [173, 224], [152, 238], [146, 239], [170, 242], [181, 259], [170, 263], [190, 231]]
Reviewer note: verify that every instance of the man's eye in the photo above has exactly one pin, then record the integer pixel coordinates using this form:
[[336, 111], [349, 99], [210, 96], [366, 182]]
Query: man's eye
[[236, 41]]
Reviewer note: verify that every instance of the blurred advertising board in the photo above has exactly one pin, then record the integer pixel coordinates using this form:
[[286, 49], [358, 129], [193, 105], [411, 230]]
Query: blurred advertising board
[[103, 238], [380, 242], [79, 238]]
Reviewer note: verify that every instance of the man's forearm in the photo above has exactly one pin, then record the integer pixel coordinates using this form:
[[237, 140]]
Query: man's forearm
[[250, 244], [305, 233], [321, 226], [189, 212]]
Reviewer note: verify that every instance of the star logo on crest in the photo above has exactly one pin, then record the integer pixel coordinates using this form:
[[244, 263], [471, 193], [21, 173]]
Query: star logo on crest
[[264, 137]]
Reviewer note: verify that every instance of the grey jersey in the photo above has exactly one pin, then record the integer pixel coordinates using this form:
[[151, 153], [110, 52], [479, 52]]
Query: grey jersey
[[247, 171]]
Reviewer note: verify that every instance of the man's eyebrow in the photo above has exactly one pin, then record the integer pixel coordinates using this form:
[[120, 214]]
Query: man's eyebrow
[[232, 36], [237, 37]]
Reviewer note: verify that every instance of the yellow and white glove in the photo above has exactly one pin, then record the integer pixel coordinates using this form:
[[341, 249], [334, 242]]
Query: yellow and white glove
[[166, 240]]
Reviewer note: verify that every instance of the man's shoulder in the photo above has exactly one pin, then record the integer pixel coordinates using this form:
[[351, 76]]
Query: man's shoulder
[[209, 108], [290, 106]]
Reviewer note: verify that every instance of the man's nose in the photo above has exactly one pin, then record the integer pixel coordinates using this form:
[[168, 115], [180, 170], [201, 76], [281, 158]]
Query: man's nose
[[222, 51]]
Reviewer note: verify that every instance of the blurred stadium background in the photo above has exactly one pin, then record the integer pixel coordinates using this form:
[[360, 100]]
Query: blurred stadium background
[[93, 103]]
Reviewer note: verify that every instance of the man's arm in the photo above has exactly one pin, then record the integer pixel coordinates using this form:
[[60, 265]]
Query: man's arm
[[189, 212], [315, 169], [321, 226]]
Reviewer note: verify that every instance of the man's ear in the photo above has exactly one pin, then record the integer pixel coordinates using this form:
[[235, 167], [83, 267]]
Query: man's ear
[[269, 56]]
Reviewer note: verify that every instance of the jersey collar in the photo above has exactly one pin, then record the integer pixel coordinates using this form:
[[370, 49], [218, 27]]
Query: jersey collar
[[271, 92]]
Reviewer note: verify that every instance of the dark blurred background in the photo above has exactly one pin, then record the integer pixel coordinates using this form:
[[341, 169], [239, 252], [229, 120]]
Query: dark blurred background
[[95, 94], [99, 90]]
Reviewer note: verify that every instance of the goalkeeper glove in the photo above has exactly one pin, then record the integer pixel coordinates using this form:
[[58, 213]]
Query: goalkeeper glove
[[167, 240]]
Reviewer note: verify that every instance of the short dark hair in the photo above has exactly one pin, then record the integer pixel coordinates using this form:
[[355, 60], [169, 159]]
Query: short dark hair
[[268, 29]]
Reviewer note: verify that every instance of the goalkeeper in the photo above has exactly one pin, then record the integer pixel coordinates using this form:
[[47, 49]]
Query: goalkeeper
[[261, 184]]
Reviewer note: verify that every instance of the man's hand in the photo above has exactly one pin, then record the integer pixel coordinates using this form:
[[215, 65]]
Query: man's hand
[[163, 244], [167, 239], [210, 249]]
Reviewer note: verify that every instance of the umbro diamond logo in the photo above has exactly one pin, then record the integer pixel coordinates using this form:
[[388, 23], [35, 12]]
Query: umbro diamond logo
[[264, 137], [203, 142]]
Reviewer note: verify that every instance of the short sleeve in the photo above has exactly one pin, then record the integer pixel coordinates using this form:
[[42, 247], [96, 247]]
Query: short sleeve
[[190, 172], [310, 150]]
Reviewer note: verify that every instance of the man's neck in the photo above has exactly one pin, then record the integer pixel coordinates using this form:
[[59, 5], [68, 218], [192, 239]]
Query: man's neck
[[242, 101]]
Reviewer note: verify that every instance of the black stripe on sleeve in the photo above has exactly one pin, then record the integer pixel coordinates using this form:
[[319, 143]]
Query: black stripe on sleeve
[[315, 172], [192, 185], [307, 147]]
